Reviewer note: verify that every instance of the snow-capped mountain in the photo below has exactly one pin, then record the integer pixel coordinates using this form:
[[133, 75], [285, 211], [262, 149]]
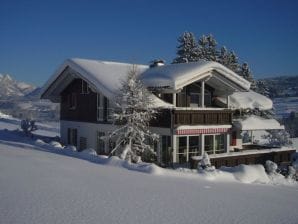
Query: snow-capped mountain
[[13, 88]]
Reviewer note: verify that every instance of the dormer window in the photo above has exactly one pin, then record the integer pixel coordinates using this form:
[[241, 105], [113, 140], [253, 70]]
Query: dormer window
[[85, 87]]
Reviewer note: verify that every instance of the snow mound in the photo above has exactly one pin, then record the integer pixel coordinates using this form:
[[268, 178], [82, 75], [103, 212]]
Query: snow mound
[[89, 151], [56, 144], [249, 173], [39, 142], [71, 148]]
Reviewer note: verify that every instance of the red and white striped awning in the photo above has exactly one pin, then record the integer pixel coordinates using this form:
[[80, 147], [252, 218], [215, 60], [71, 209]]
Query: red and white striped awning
[[202, 131]]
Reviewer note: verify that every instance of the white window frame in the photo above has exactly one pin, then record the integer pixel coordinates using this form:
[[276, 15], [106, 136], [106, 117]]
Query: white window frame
[[99, 107], [84, 87]]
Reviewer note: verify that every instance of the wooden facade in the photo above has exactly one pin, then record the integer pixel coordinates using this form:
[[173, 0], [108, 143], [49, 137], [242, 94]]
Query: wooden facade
[[78, 106], [202, 117]]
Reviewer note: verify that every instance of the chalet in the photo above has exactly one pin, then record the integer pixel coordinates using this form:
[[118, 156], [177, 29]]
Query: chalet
[[200, 108]]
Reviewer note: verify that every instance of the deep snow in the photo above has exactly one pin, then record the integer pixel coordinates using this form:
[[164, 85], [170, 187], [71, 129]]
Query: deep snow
[[43, 183]]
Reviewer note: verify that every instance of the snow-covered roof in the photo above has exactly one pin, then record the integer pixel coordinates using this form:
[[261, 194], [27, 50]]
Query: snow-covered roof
[[103, 76], [248, 100], [176, 76], [257, 123]]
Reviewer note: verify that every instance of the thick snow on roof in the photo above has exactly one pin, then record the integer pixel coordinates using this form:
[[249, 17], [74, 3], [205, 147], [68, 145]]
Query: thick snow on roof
[[257, 123], [248, 100], [177, 75], [105, 77]]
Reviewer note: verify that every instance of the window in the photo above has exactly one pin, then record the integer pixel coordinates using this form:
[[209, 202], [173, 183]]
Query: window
[[83, 143], [99, 107], [165, 149], [214, 144], [72, 136], [72, 101], [194, 146], [85, 87], [182, 149], [209, 143], [100, 144], [219, 143]]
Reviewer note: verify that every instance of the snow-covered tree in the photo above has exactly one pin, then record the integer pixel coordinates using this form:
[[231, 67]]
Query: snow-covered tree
[[278, 138], [245, 72], [132, 119], [187, 49], [208, 48], [233, 62], [262, 88], [223, 57]]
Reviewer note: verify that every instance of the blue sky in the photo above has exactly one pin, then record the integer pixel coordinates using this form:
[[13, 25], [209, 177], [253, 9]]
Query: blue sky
[[37, 36]]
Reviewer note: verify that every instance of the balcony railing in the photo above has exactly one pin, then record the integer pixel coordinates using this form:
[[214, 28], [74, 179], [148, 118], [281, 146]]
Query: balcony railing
[[202, 117], [192, 117]]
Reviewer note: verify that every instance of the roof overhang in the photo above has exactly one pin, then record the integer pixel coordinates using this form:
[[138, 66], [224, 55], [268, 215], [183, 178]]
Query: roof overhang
[[257, 123]]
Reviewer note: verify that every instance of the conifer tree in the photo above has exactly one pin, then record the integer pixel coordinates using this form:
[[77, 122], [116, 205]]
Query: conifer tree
[[187, 49], [134, 111], [245, 72]]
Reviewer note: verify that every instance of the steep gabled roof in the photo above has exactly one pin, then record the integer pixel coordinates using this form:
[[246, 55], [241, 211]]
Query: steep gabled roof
[[103, 76], [176, 76]]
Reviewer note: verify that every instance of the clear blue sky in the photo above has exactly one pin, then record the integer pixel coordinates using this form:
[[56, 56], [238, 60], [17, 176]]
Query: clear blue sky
[[37, 36]]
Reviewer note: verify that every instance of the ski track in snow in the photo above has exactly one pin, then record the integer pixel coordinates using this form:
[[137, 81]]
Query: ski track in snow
[[39, 184]]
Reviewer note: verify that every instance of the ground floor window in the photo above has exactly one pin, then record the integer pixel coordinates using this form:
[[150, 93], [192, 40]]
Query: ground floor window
[[100, 144], [166, 151], [214, 144], [72, 136], [187, 146]]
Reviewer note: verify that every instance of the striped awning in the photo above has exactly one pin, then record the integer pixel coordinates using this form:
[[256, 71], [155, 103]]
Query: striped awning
[[202, 131]]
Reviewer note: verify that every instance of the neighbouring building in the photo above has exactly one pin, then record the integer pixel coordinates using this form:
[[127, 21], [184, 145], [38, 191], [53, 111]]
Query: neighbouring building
[[200, 109]]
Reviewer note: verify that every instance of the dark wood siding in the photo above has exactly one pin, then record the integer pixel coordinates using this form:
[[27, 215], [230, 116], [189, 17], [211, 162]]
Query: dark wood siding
[[202, 117], [85, 109], [282, 157]]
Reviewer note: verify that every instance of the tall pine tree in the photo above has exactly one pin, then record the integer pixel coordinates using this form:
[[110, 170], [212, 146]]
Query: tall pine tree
[[187, 48], [133, 114]]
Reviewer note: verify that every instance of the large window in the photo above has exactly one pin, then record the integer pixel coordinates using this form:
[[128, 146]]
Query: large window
[[214, 144], [165, 149], [194, 146], [182, 149], [99, 107], [187, 146], [72, 136], [72, 101], [209, 143]]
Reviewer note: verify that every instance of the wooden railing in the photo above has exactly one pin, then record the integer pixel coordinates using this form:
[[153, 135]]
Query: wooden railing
[[192, 117], [202, 117]]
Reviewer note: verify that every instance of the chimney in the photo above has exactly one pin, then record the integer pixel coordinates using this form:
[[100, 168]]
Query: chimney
[[157, 63]]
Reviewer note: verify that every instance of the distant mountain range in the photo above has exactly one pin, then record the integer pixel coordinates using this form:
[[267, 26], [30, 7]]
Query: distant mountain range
[[21, 100], [282, 86], [12, 88]]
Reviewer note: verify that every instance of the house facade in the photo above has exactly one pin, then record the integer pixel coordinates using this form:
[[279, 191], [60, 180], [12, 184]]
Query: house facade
[[199, 110]]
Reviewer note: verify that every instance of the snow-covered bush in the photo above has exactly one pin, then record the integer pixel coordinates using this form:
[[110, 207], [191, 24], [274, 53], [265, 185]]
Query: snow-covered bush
[[132, 116], [292, 173], [28, 126], [278, 138], [55, 144], [271, 167], [205, 163], [71, 148]]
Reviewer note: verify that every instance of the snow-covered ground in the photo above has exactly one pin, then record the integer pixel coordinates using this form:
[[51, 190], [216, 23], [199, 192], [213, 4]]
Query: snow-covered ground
[[40, 183]]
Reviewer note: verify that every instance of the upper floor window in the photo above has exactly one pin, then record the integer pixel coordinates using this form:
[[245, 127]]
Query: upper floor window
[[85, 87], [72, 101], [99, 107]]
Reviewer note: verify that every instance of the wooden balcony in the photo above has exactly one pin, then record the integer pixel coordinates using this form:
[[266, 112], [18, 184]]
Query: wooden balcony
[[192, 117], [202, 117]]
